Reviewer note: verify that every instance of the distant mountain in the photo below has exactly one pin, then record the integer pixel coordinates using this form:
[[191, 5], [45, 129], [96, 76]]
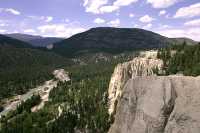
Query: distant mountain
[[37, 41], [16, 52], [11, 42], [110, 40]]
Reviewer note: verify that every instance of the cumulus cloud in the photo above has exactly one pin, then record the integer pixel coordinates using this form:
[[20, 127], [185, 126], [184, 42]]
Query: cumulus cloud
[[120, 3], [146, 19], [162, 3], [108, 9], [93, 6], [59, 30], [193, 33], [114, 23], [101, 6], [189, 11], [10, 10], [99, 21], [162, 12], [195, 22]]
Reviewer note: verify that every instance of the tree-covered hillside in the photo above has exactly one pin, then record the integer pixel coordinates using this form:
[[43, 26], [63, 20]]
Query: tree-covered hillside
[[83, 102], [181, 59], [113, 41], [110, 40], [23, 67]]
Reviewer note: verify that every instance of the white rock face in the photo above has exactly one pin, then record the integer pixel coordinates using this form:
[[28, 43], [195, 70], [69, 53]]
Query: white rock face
[[154, 104], [149, 54], [123, 72], [44, 91], [61, 75]]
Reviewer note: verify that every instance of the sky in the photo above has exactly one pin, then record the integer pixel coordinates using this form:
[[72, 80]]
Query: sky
[[64, 18]]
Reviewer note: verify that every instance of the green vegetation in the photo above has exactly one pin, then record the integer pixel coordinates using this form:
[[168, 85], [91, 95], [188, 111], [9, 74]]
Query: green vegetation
[[183, 59], [23, 67], [83, 102], [15, 116], [110, 40]]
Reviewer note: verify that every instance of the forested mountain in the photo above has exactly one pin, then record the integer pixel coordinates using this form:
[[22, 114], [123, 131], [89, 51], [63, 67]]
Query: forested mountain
[[22, 66], [111, 40], [11, 42], [37, 41]]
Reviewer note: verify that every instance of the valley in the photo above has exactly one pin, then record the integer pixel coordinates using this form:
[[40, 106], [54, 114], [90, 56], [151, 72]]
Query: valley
[[43, 90], [91, 83]]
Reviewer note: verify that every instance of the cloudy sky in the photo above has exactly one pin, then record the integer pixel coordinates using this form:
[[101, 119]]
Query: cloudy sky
[[63, 18]]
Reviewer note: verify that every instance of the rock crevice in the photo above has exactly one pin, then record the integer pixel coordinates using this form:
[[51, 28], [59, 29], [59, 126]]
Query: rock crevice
[[166, 104]]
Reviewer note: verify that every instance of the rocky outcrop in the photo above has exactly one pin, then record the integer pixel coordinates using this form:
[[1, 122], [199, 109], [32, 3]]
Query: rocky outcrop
[[155, 104], [140, 66]]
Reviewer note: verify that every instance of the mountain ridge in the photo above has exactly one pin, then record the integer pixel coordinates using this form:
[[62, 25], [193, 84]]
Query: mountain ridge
[[111, 40], [35, 40]]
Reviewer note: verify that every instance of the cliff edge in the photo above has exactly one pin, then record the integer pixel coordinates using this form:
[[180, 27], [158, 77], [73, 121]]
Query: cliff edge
[[139, 66], [152, 104]]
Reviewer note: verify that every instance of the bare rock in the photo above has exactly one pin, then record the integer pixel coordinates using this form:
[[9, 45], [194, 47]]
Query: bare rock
[[123, 72], [154, 104]]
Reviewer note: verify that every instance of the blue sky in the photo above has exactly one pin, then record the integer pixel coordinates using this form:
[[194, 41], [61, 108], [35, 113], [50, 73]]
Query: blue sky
[[63, 18]]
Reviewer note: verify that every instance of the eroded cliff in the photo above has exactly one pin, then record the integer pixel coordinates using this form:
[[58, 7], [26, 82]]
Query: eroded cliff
[[155, 104], [139, 66]]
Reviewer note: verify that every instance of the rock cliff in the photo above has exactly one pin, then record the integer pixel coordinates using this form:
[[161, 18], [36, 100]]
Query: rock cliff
[[139, 66], [152, 104]]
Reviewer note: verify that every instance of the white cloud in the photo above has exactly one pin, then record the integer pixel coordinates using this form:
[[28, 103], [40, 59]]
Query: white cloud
[[120, 3], [195, 22], [131, 15], [93, 6], [162, 12], [146, 19], [188, 12], [148, 26], [193, 33], [29, 31], [101, 6], [42, 18], [10, 10], [99, 21], [49, 18], [59, 30], [114, 23], [108, 9], [162, 3], [2, 31]]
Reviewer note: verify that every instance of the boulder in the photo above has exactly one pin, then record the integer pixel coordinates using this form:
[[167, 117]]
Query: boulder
[[165, 104]]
